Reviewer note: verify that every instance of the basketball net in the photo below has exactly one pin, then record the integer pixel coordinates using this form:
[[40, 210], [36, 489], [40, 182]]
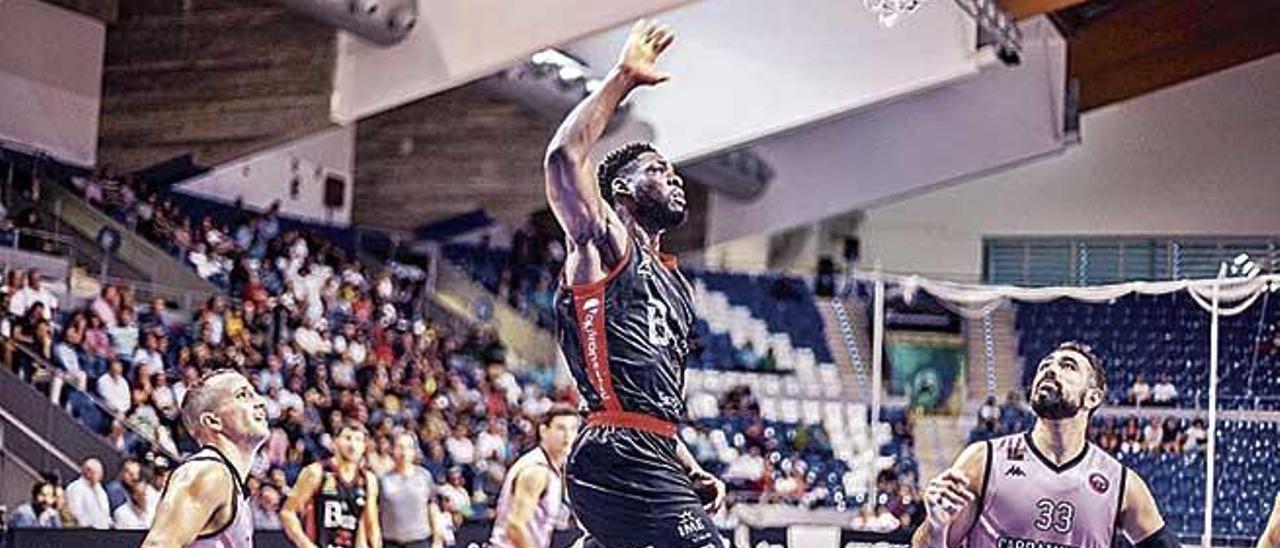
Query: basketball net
[[889, 11]]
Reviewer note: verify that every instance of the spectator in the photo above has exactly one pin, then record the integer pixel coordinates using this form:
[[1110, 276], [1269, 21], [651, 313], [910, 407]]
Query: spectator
[[266, 508], [1196, 437], [87, 499], [1171, 436], [34, 292], [114, 388], [1164, 393], [147, 360], [747, 470], [410, 516], [118, 490], [1140, 392], [143, 417], [105, 305], [462, 451], [124, 335], [456, 497], [117, 437], [1152, 435], [41, 512], [1131, 436], [139, 512], [989, 412]]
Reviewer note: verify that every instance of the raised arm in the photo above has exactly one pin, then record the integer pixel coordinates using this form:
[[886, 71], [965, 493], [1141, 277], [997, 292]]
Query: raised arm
[[196, 491], [572, 189], [951, 500]]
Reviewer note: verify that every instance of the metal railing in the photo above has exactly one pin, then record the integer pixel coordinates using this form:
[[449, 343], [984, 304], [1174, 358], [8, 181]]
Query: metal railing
[[69, 382]]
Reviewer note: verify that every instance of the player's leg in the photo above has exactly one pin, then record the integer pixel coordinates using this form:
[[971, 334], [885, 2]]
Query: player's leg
[[609, 519]]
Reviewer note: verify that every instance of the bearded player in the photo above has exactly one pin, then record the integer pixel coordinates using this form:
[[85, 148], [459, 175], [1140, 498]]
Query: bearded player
[[1048, 487], [337, 496], [204, 504], [625, 314]]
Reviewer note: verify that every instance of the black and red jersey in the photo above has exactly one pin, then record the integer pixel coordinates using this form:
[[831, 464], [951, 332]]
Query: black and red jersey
[[626, 337]]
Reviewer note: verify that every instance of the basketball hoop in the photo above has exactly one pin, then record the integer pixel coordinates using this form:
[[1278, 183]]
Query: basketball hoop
[[889, 11]]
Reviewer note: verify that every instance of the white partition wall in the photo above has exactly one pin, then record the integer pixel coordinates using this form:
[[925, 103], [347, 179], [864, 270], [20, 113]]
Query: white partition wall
[[50, 80]]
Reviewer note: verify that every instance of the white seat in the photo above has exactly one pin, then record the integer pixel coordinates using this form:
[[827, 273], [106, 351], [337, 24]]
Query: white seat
[[812, 412], [790, 410], [769, 408]]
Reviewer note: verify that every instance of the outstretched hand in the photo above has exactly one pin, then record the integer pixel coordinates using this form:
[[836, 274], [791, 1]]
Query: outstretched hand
[[644, 45]]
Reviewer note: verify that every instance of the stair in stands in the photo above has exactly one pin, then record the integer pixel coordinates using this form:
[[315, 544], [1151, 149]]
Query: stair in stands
[[158, 273], [839, 349], [1007, 363], [460, 295]]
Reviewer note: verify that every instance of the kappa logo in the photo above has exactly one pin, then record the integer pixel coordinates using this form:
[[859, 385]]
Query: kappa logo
[[591, 305], [1015, 471]]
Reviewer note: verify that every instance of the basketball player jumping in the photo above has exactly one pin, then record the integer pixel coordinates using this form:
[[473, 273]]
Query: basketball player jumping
[[531, 504], [625, 314], [339, 497], [1049, 487], [204, 504]]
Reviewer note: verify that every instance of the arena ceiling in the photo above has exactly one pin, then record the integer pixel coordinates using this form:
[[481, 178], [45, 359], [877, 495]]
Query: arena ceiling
[[1119, 49]]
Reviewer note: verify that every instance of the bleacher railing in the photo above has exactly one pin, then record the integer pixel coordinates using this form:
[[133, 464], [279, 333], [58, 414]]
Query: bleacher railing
[[48, 370]]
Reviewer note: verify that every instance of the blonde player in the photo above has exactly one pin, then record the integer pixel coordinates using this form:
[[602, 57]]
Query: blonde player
[[204, 504]]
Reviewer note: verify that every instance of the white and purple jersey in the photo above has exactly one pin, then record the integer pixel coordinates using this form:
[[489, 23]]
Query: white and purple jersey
[[550, 513], [1030, 502], [238, 532]]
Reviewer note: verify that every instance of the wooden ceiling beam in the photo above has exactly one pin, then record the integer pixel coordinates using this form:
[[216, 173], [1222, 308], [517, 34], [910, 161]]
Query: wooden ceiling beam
[[103, 10], [1022, 9]]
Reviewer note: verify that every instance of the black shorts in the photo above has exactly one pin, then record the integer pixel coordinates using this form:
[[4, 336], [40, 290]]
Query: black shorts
[[628, 491]]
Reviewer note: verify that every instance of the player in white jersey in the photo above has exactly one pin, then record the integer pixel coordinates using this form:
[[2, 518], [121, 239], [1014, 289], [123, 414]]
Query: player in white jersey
[[1047, 488], [532, 500], [1271, 537], [204, 504]]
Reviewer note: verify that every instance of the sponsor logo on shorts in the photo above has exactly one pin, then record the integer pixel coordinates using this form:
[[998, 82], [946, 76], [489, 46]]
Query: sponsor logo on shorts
[[1006, 542], [688, 525], [1099, 483]]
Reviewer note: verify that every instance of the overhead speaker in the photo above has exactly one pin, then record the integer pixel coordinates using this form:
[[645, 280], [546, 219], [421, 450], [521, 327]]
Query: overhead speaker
[[383, 22], [740, 173]]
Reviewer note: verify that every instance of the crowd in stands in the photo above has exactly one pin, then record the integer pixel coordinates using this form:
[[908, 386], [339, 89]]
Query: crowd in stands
[[1115, 435], [524, 275], [1161, 394], [210, 245], [321, 335], [995, 419]]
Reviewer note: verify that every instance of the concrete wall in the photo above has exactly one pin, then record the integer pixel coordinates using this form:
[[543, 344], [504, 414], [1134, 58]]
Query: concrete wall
[[1198, 158], [269, 176]]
